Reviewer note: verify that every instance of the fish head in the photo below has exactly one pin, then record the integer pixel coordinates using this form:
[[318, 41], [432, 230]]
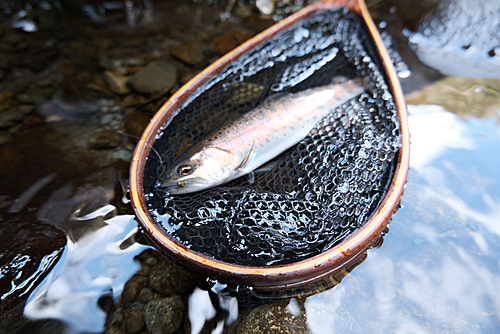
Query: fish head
[[204, 169]]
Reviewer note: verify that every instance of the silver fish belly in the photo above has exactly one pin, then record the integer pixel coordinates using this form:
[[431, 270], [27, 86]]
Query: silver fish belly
[[255, 138]]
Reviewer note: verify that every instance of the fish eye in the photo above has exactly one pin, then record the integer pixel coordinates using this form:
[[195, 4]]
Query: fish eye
[[185, 170]]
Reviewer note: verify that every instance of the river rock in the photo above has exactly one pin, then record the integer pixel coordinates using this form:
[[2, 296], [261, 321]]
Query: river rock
[[6, 98], [13, 38], [132, 288], [117, 82], [135, 124], [105, 139], [164, 316], [168, 278], [4, 61], [146, 295], [273, 319], [135, 318], [9, 118], [157, 77], [190, 52], [227, 41], [133, 100], [35, 95], [32, 120], [5, 137]]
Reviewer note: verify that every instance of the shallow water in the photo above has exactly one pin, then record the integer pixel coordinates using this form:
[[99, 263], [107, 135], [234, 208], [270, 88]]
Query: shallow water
[[69, 242]]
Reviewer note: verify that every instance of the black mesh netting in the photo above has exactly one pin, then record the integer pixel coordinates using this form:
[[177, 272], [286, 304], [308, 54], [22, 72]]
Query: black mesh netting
[[319, 191]]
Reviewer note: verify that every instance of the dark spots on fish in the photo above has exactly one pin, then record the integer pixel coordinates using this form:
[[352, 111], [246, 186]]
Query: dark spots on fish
[[466, 47], [267, 140], [493, 52]]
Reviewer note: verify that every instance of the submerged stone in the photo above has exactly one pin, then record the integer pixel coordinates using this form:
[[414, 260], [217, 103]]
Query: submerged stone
[[9, 118], [274, 319], [227, 41], [135, 318], [105, 139], [190, 52], [135, 124], [157, 77], [164, 316], [117, 82], [168, 278], [132, 288]]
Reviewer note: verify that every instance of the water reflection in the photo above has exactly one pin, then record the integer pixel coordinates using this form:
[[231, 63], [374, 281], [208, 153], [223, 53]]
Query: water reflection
[[438, 270], [96, 265]]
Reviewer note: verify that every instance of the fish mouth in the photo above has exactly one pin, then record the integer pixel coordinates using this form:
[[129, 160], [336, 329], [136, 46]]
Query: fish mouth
[[178, 186]]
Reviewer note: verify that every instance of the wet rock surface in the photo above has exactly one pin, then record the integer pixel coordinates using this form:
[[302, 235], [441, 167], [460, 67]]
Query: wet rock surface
[[164, 315], [168, 278], [154, 299], [190, 52], [276, 318], [155, 78]]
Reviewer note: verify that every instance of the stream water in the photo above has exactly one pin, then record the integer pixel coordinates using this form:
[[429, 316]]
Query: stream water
[[76, 90]]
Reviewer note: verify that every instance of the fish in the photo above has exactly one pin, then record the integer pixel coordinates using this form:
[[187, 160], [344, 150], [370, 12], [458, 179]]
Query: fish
[[255, 138]]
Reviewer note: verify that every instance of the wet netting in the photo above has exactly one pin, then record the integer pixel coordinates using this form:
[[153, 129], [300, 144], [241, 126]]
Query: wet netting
[[319, 191]]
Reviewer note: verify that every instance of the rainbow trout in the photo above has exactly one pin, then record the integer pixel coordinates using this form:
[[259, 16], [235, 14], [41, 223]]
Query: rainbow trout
[[258, 136]]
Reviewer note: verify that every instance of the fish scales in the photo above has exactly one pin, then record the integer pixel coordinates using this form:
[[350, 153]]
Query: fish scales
[[255, 138]]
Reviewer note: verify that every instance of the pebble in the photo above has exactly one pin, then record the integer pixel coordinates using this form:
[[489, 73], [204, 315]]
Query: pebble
[[67, 68], [135, 124], [35, 95], [132, 289], [105, 139], [9, 118], [164, 316], [13, 38], [146, 295], [6, 99], [190, 52], [5, 137], [6, 95], [4, 61], [32, 120], [115, 319], [122, 155], [157, 77], [117, 82], [151, 260], [168, 278], [133, 62], [229, 40], [114, 330], [133, 100], [274, 319], [107, 119], [134, 318], [265, 6]]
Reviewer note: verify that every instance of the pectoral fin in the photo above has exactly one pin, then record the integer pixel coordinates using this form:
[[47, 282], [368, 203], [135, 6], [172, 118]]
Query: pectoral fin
[[244, 163]]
